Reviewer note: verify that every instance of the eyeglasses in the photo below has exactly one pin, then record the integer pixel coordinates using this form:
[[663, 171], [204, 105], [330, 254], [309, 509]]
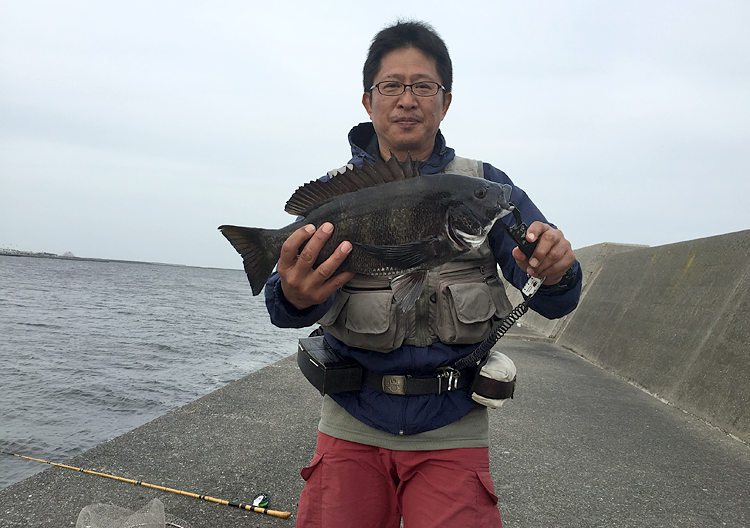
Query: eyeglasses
[[394, 88]]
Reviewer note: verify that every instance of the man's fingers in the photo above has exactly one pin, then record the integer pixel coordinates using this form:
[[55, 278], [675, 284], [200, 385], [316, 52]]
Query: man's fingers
[[304, 285], [552, 255], [290, 247], [331, 264], [547, 239], [310, 252], [554, 269], [330, 286]]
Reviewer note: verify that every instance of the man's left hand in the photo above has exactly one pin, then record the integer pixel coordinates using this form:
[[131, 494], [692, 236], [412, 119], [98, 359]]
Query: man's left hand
[[552, 256]]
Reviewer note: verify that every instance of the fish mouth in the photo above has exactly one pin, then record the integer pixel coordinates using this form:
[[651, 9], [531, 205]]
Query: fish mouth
[[503, 201]]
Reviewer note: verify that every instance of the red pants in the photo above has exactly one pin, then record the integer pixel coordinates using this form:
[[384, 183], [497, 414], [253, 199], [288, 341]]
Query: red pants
[[349, 485]]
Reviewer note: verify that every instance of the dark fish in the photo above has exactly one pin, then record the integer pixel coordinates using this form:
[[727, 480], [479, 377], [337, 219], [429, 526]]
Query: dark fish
[[401, 224]]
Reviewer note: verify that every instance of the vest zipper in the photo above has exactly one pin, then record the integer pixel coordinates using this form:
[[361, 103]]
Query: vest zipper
[[422, 319]]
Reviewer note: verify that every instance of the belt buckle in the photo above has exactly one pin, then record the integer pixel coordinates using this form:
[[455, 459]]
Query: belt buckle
[[451, 375], [393, 384]]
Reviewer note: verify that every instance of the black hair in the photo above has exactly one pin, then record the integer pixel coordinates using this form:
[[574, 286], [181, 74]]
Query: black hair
[[408, 34]]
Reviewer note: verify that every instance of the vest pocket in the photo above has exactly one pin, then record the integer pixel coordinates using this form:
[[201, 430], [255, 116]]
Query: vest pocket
[[465, 312], [365, 320]]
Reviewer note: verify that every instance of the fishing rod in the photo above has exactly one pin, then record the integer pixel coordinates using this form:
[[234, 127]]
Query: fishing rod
[[261, 499]]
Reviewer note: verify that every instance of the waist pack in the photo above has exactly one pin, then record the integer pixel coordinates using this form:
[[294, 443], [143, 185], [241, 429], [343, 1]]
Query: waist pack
[[495, 380], [326, 369], [330, 372]]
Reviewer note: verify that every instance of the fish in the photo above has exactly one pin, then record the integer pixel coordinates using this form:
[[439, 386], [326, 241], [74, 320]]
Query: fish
[[401, 224]]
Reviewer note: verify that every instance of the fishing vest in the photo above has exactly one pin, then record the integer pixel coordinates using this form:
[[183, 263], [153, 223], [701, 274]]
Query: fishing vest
[[459, 304]]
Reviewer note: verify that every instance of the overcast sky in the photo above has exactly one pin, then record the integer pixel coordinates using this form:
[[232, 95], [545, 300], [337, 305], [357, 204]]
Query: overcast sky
[[132, 129]]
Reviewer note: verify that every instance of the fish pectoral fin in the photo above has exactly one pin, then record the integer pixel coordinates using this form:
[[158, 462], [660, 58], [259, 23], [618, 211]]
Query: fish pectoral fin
[[403, 256], [407, 288]]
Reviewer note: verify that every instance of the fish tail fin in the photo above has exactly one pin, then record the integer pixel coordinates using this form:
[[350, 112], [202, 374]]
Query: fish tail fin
[[252, 243]]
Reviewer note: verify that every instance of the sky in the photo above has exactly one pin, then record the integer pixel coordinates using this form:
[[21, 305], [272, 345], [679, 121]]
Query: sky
[[133, 129]]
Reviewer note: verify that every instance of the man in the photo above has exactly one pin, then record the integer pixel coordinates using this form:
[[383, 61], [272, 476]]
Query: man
[[422, 457]]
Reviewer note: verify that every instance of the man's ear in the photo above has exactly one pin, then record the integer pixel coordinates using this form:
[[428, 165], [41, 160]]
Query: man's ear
[[447, 98], [367, 102]]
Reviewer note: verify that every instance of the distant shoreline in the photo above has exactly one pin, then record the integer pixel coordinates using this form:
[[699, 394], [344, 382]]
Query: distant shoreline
[[4, 252]]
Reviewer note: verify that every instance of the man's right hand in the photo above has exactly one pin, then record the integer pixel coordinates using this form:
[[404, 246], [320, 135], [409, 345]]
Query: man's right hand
[[303, 285]]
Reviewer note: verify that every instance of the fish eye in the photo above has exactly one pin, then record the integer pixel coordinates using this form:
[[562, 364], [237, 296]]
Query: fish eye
[[480, 193]]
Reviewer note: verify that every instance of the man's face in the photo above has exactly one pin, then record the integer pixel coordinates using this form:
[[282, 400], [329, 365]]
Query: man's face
[[406, 123]]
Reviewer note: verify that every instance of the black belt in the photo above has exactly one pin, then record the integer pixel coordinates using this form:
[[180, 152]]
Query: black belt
[[443, 380]]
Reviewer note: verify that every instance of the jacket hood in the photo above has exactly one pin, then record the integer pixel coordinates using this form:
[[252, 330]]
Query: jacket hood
[[364, 145]]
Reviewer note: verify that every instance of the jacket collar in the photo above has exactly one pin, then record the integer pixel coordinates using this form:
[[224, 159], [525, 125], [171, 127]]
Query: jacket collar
[[364, 144]]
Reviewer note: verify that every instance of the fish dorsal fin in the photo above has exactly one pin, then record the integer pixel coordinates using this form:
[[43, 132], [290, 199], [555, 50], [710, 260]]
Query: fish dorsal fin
[[310, 195]]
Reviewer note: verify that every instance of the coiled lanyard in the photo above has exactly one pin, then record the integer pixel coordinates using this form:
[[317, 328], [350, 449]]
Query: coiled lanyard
[[518, 233]]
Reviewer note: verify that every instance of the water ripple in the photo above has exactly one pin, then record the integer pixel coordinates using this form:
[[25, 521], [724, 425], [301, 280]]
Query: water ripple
[[91, 350]]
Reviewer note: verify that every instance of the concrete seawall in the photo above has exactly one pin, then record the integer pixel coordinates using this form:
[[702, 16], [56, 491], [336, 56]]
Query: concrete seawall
[[591, 259], [673, 319]]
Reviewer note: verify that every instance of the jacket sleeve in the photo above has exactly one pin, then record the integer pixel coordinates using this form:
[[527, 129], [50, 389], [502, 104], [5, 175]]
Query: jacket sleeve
[[552, 305], [284, 314]]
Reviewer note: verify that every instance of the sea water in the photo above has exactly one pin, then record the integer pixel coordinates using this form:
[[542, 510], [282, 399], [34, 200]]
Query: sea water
[[90, 350]]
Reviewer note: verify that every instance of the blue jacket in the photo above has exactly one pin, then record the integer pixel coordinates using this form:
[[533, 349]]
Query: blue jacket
[[414, 414]]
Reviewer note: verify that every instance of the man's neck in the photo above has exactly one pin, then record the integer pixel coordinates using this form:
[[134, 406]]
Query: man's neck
[[402, 155]]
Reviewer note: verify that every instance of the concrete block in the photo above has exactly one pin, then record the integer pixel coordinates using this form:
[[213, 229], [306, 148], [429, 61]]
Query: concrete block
[[675, 319]]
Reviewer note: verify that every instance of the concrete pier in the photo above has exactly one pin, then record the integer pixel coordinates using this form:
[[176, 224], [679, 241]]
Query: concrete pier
[[581, 445]]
